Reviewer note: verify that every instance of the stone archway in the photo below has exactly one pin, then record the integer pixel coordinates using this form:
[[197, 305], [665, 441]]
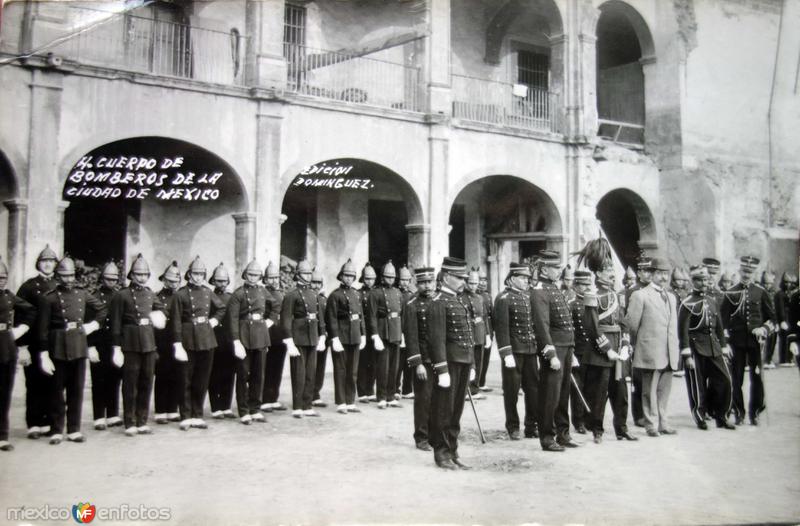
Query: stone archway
[[628, 222], [10, 236]]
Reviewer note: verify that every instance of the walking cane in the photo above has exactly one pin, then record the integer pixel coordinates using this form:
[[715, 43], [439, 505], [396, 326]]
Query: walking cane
[[469, 394], [762, 345], [580, 395]]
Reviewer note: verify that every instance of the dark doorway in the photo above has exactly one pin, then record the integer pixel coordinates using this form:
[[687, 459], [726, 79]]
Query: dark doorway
[[457, 234], [95, 231], [388, 238], [300, 209], [529, 249], [619, 221]]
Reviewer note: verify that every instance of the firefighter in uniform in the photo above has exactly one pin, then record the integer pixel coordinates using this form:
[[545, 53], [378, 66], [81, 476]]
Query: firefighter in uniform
[[793, 329], [451, 351], [223, 370], [276, 355], [385, 328], [516, 343], [305, 331], [10, 304], [38, 386], [248, 313], [748, 314], [488, 306], [644, 274], [106, 375], [481, 336], [787, 288], [134, 313], [552, 322], [168, 371], [405, 374], [322, 358], [196, 311], [702, 342], [365, 383], [344, 320], [415, 330], [62, 343]]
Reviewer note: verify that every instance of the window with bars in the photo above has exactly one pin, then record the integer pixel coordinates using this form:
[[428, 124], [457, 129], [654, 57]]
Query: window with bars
[[533, 69], [294, 40], [157, 40]]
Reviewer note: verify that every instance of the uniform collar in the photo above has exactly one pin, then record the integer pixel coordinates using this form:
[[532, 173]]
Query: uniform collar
[[447, 290]]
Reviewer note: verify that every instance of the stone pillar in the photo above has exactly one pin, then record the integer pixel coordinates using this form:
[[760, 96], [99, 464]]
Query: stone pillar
[[62, 209], [558, 67], [266, 66], [437, 58], [586, 74], [17, 223], [244, 245], [268, 196], [438, 196], [418, 246]]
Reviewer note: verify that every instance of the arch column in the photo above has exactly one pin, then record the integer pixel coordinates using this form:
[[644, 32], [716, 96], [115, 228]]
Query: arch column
[[244, 246], [418, 245], [268, 197], [17, 235]]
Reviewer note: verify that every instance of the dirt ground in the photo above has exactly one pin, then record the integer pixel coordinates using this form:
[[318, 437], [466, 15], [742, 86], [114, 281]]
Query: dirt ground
[[364, 469]]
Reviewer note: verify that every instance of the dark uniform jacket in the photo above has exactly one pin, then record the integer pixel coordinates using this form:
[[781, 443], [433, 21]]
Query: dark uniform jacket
[[249, 307], [781, 307], [131, 327], [513, 323], [102, 336], [276, 332], [793, 317], [488, 308], [60, 327], [591, 345], [450, 331], [385, 313], [222, 332], [699, 325], [344, 316], [9, 303], [478, 312], [164, 336], [31, 291], [192, 307], [552, 320], [301, 318], [415, 328], [744, 309]]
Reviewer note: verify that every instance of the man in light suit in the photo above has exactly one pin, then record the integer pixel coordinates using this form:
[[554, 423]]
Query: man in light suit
[[652, 320]]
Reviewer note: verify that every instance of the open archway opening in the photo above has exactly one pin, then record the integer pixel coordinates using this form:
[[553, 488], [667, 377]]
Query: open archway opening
[[628, 223]]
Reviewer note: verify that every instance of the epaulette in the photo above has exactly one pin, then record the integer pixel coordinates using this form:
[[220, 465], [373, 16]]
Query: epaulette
[[538, 286], [502, 295], [412, 300]]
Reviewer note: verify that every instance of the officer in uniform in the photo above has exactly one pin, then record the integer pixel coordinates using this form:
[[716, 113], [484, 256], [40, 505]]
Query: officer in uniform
[[276, 355], [301, 321], [567, 282], [488, 308], [248, 313], [415, 329], [702, 342], [768, 284], [748, 314], [169, 374], [106, 375], [135, 312], [644, 274], [196, 312], [223, 370], [385, 328], [365, 383], [451, 351], [9, 334], [629, 281], [344, 320], [787, 288], [481, 337], [581, 303], [38, 386], [62, 343], [552, 322], [516, 343], [322, 357], [405, 374], [713, 267]]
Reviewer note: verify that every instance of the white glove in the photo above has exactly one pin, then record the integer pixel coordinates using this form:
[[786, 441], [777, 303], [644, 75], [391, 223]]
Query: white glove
[[291, 348], [321, 344], [509, 361], [180, 352], [47, 365], [362, 343], [270, 323], [472, 375], [18, 332], [613, 355], [793, 348], [239, 350], [336, 344], [488, 342], [625, 353], [784, 326], [689, 362], [118, 359], [94, 356], [726, 351], [575, 362], [377, 343], [760, 333], [213, 322], [24, 356], [555, 364], [444, 380], [90, 327], [686, 351], [158, 319], [402, 341]]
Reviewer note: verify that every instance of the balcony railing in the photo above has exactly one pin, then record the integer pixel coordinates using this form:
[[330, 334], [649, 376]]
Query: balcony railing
[[504, 104], [352, 78], [624, 133], [128, 42]]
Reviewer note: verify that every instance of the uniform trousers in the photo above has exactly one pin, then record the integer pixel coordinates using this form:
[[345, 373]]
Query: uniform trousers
[[447, 405], [422, 403], [577, 411], [637, 410], [38, 388], [169, 381], [386, 363], [656, 386], [319, 376], [709, 387], [273, 369], [70, 375], [484, 361], [197, 372], [525, 375], [7, 372], [554, 389], [747, 353], [769, 350], [477, 352], [223, 377], [618, 396], [137, 384], [106, 380], [365, 382], [595, 390], [405, 374], [250, 381], [784, 356], [345, 370], [303, 368]]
